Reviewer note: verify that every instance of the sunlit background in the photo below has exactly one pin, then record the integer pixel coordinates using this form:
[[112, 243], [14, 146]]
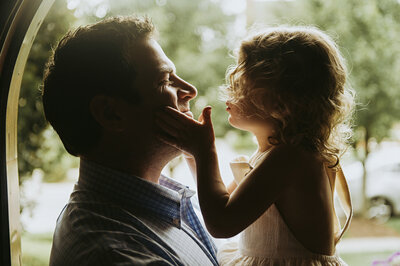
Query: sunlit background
[[200, 37]]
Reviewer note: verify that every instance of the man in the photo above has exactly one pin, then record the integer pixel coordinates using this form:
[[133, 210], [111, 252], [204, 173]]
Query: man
[[102, 88]]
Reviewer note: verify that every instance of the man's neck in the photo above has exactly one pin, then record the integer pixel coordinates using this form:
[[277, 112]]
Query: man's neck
[[146, 164]]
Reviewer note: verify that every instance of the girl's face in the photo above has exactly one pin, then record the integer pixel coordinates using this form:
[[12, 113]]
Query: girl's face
[[245, 121], [236, 116]]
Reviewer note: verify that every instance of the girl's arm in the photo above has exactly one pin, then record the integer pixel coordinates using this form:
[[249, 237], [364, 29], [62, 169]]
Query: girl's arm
[[191, 162], [231, 187], [226, 215]]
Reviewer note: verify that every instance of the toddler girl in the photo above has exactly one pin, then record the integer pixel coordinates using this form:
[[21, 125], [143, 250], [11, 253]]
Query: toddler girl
[[288, 89]]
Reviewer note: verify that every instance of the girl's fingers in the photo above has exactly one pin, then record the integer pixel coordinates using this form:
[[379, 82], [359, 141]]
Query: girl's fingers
[[206, 115], [201, 118]]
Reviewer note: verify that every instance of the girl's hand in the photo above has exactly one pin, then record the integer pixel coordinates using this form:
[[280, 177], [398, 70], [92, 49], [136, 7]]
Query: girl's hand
[[185, 133]]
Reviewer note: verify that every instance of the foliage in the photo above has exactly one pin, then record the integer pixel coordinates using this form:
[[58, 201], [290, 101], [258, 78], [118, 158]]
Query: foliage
[[394, 223], [196, 36], [368, 34], [192, 33]]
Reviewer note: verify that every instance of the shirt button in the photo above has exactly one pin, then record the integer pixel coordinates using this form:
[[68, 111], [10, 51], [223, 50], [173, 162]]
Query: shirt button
[[176, 222]]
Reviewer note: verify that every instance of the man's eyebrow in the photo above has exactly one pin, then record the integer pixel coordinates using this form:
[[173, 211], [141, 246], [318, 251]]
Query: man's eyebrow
[[167, 69]]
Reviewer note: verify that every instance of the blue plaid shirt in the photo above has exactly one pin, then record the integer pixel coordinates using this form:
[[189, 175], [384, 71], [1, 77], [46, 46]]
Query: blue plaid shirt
[[113, 218]]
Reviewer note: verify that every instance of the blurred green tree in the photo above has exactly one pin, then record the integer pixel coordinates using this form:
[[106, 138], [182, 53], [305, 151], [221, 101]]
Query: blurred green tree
[[198, 36], [368, 33], [192, 33]]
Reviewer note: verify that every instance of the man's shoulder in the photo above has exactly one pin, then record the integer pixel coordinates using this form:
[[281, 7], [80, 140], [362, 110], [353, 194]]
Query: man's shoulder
[[87, 214], [87, 230]]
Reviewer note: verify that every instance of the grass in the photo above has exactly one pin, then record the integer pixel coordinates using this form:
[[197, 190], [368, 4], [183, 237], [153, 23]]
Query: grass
[[394, 223], [36, 249], [366, 258]]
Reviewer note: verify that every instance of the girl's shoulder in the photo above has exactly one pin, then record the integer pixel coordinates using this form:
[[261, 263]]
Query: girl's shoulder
[[295, 153], [294, 160]]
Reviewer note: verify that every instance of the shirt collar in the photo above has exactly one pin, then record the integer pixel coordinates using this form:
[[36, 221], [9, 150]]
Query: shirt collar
[[163, 200]]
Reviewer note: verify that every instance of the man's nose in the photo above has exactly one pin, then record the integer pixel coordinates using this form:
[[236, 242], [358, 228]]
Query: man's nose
[[186, 91]]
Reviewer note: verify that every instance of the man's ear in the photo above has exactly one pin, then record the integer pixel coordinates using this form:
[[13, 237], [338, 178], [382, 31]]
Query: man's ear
[[108, 112]]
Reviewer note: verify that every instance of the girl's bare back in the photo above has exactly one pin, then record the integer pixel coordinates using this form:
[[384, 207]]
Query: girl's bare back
[[307, 207]]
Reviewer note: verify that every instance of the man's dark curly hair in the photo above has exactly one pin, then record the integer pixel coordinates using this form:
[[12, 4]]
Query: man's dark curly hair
[[88, 61]]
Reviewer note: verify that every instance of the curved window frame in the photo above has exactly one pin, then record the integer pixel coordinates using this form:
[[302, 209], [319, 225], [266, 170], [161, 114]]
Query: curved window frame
[[20, 23]]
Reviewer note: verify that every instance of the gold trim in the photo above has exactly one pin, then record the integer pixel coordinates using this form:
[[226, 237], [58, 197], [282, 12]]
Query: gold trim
[[11, 122]]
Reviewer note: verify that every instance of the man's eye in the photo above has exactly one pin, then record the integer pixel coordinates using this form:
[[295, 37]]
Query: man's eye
[[166, 83]]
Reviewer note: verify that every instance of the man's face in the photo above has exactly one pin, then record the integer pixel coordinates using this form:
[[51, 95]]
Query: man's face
[[157, 82]]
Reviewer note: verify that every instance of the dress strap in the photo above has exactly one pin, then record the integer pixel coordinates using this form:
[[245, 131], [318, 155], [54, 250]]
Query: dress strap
[[339, 184], [242, 165], [343, 192], [240, 168]]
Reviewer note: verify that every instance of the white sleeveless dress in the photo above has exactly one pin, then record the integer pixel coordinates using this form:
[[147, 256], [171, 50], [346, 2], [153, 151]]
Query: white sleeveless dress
[[269, 241]]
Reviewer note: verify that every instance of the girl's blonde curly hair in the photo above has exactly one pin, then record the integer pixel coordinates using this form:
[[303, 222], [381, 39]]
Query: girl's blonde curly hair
[[296, 77]]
